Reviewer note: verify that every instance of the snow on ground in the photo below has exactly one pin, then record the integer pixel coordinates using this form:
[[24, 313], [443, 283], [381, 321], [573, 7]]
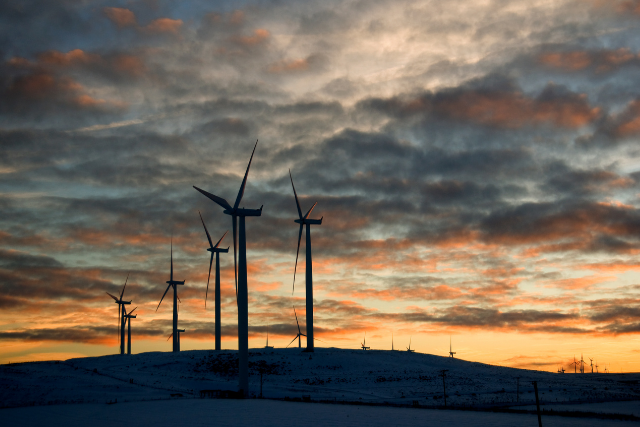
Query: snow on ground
[[268, 413], [372, 377]]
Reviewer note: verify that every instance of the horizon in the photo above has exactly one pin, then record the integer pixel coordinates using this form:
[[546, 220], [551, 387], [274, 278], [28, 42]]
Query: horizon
[[474, 165]]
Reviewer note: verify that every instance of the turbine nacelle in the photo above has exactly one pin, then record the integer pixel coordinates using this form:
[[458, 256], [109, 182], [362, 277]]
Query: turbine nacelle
[[308, 221], [220, 250], [175, 282], [243, 211]]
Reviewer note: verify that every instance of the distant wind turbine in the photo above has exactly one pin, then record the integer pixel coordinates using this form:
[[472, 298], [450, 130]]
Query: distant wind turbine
[[174, 283], [305, 220], [409, 348], [299, 332], [129, 316], [391, 341], [240, 269], [214, 249], [591, 365], [451, 352], [364, 344], [575, 365], [121, 312], [268, 346]]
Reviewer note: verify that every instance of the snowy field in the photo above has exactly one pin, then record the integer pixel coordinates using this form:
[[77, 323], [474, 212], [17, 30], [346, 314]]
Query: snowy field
[[146, 386], [266, 413]]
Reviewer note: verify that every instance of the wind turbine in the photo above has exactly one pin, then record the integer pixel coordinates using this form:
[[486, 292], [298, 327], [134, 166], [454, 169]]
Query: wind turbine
[[305, 220], [174, 283], [409, 348], [451, 353], [214, 249], [364, 344], [241, 274], [561, 370], [268, 346], [391, 341], [581, 364], [121, 303], [597, 372], [129, 316], [591, 364], [575, 364], [299, 333]]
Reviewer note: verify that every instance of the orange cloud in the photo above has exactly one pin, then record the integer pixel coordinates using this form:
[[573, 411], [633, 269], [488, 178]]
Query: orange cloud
[[164, 25], [258, 37], [571, 61], [292, 65], [120, 16], [130, 64], [602, 60], [73, 57]]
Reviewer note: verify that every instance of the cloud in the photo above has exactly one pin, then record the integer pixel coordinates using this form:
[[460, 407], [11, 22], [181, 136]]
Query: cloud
[[120, 16], [501, 106], [164, 25]]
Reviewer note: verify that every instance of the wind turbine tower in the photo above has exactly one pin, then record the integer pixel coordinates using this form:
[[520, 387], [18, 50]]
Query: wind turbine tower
[[451, 352], [129, 316], [240, 269], [591, 365], [214, 249], [121, 303], [305, 220], [174, 283]]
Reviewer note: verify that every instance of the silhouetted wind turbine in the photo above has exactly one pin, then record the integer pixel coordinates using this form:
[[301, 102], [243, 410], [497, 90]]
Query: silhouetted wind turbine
[[305, 220], [240, 269], [121, 312], [129, 316], [591, 365], [364, 344], [409, 348], [299, 332], [575, 365], [597, 372], [391, 341], [268, 346], [214, 249], [451, 353], [174, 283]]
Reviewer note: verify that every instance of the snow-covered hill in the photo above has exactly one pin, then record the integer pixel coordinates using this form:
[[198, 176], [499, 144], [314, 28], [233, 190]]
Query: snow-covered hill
[[329, 374]]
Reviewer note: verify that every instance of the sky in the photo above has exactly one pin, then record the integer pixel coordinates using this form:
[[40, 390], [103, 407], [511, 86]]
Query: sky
[[476, 165]]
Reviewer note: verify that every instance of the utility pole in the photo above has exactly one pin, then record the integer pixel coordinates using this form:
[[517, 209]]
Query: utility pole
[[535, 388], [444, 387]]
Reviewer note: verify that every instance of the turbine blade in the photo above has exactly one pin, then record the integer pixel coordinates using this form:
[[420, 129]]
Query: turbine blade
[[225, 233], [206, 231], [292, 341], [294, 312], [170, 336], [296, 196], [307, 215], [244, 181], [125, 285], [209, 277], [133, 310], [112, 296], [296, 266], [219, 200], [165, 293]]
